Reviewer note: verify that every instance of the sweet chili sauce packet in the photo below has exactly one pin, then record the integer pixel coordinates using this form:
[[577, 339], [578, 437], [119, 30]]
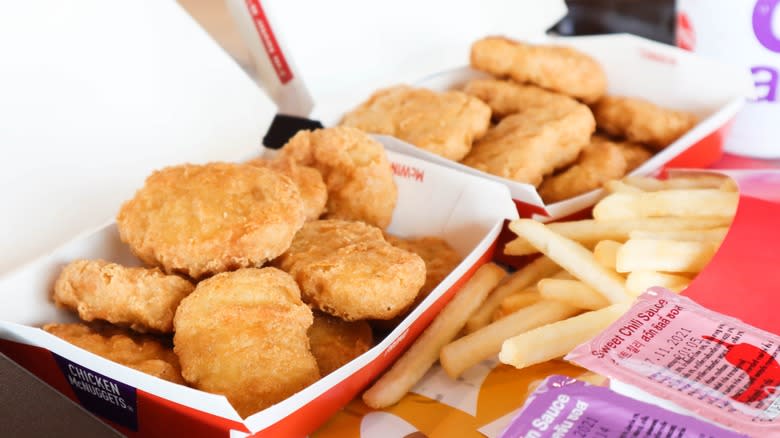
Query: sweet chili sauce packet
[[563, 406], [714, 365]]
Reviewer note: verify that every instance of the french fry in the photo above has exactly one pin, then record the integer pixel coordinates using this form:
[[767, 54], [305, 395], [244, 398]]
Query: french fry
[[676, 203], [515, 282], [606, 253], [475, 347], [557, 339], [572, 257], [572, 292], [664, 255], [704, 181], [413, 364], [615, 186], [515, 302], [712, 235], [589, 232], [524, 298], [638, 282], [729, 185]]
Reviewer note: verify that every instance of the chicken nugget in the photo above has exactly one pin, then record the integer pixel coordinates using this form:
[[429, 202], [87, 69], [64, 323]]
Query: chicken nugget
[[641, 121], [557, 68], [307, 179], [598, 163], [335, 342], [634, 153], [355, 169], [347, 269], [506, 97], [144, 353], [140, 298], [242, 334], [443, 123], [525, 147], [204, 219], [439, 257]]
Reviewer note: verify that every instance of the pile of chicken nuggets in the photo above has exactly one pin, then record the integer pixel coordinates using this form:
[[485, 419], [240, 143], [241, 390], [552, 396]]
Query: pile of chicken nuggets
[[260, 277], [542, 118]]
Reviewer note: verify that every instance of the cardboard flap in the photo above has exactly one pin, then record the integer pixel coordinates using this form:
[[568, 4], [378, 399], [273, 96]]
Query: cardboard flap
[[95, 95]]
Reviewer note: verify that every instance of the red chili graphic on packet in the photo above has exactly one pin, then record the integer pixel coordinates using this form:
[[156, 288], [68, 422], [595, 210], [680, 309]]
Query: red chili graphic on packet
[[760, 366]]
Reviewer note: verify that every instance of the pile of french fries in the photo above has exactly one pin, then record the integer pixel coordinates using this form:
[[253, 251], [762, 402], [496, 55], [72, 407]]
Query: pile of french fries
[[645, 232]]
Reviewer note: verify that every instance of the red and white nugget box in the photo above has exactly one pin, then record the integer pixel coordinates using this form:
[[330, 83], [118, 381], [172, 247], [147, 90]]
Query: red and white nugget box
[[466, 211], [637, 67], [113, 100]]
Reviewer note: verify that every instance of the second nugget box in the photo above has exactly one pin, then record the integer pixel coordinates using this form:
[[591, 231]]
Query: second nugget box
[[466, 211], [634, 67]]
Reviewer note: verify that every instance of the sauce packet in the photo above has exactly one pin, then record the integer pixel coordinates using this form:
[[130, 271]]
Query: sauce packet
[[715, 366], [564, 407]]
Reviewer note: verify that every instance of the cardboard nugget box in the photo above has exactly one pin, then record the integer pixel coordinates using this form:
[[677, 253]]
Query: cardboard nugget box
[[738, 281], [467, 211], [636, 67]]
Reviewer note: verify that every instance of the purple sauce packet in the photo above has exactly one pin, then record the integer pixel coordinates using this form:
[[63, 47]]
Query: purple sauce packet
[[566, 407]]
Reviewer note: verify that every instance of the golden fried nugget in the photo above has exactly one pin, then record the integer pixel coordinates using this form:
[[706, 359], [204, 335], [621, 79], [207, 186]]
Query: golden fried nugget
[[144, 353], [525, 147], [598, 163], [140, 298], [439, 257], [507, 97], [347, 269], [641, 121], [443, 123], [307, 179], [634, 153], [335, 342], [561, 69], [204, 219], [242, 334], [355, 169]]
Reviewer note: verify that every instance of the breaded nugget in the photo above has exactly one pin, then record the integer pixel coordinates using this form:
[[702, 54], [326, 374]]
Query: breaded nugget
[[307, 179], [335, 342], [144, 353], [638, 120], [561, 69], [525, 147], [598, 163], [204, 219], [507, 97], [439, 257], [443, 123], [347, 269], [355, 169], [140, 298], [242, 334], [634, 153]]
